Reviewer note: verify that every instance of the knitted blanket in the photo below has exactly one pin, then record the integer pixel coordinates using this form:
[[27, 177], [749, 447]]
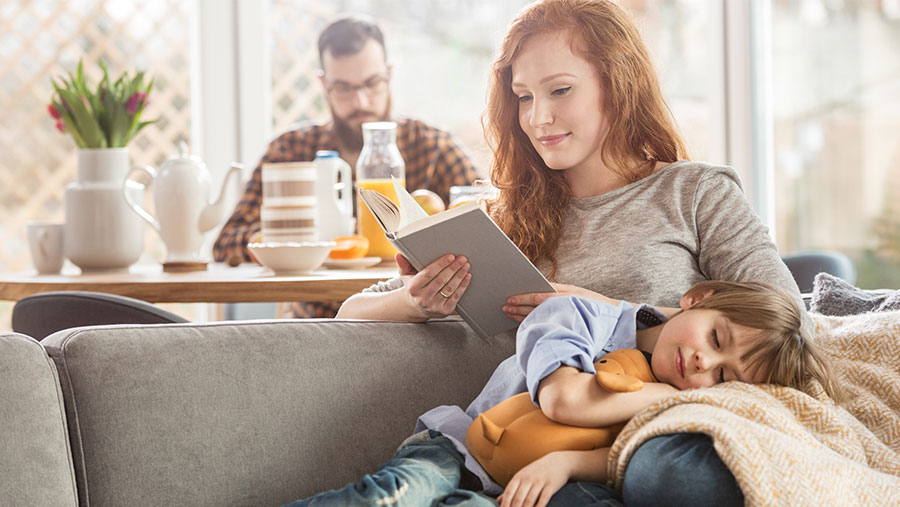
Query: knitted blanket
[[785, 447]]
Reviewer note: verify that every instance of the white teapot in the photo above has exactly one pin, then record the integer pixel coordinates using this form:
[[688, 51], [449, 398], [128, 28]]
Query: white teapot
[[183, 211]]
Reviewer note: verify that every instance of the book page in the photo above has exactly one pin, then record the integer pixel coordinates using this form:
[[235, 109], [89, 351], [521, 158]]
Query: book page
[[410, 210], [383, 209]]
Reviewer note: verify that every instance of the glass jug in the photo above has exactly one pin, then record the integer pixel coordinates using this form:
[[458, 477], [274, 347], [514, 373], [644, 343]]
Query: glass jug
[[378, 161]]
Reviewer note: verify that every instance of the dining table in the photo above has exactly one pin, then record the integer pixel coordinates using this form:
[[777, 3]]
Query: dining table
[[219, 283]]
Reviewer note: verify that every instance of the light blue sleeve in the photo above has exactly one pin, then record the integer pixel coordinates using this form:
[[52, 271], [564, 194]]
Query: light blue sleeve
[[564, 331]]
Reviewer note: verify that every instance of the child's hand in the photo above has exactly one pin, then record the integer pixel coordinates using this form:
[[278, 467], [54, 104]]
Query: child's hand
[[537, 482]]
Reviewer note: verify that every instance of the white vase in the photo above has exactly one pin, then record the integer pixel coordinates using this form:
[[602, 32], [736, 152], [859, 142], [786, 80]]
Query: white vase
[[101, 232]]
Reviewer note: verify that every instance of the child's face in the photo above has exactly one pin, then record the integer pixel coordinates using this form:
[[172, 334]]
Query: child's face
[[700, 348]]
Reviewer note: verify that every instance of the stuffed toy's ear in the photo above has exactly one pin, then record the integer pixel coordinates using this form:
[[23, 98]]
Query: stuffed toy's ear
[[623, 371]]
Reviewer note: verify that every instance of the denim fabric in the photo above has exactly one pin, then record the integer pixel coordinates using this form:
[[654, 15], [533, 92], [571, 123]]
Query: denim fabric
[[679, 469], [423, 472], [586, 494]]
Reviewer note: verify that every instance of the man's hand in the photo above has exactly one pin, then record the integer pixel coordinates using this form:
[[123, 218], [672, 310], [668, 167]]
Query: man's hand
[[434, 291], [519, 306]]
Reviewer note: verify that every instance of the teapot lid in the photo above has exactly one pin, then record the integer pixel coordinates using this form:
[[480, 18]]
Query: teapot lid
[[183, 154]]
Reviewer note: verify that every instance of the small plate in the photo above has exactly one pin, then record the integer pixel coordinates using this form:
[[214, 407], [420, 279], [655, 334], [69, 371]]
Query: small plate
[[361, 263]]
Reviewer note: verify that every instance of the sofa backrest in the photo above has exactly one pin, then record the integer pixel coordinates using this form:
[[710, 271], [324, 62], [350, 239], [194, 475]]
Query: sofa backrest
[[253, 413], [35, 461]]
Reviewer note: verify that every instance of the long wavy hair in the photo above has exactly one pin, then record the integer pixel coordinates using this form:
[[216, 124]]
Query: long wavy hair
[[641, 129]]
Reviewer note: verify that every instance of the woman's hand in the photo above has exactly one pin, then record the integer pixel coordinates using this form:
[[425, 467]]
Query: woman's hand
[[519, 306], [434, 291], [537, 482]]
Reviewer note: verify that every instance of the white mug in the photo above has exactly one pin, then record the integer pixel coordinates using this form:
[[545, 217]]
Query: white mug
[[45, 240]]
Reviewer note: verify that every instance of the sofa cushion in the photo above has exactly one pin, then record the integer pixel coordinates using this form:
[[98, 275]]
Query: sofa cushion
[[35, 462], [253, 413]]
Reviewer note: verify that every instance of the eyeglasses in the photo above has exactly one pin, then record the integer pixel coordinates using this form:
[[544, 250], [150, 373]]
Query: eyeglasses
[[345, 91]]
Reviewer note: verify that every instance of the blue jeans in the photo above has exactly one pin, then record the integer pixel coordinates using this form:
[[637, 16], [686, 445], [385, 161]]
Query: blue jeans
[[424, 472], [677, 469]]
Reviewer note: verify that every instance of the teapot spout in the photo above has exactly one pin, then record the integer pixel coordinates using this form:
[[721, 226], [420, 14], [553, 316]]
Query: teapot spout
[[213, 213]]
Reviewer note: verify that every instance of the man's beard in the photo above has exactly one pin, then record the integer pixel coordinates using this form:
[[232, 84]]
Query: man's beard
[[350, 136]]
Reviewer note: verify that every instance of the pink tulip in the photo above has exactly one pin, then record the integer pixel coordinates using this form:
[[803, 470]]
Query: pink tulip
[[53, 112], [60, 126], [135, 101]]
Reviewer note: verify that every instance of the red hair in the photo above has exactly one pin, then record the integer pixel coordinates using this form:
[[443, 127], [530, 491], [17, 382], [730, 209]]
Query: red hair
[[641, 130]]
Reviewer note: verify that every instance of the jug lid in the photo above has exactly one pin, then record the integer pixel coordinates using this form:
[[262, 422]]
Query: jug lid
[[379, 125]]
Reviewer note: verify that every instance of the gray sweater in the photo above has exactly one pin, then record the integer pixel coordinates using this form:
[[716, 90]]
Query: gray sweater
[[649, 241]]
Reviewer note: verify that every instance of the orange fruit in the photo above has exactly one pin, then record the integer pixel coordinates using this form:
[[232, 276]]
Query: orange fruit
[[350, 247]]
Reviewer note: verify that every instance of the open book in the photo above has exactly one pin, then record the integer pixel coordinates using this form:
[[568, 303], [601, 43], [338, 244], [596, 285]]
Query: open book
[[499, 270]]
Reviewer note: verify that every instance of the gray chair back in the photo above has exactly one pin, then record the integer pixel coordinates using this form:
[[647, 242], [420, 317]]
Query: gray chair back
[[804, 266], [43, 314]]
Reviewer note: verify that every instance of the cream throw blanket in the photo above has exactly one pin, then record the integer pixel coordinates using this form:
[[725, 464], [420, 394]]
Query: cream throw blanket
[[788, 448]]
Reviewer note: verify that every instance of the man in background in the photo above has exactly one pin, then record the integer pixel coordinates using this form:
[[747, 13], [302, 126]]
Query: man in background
[[356, 77]]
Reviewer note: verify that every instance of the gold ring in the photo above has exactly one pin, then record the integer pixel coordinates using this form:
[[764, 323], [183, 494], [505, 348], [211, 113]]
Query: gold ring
[[446, 296]]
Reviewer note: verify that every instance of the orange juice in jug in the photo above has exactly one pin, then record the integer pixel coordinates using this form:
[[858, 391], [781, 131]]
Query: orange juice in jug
[[378, 162]]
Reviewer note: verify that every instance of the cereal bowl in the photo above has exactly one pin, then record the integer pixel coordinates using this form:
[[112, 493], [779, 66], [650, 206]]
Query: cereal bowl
[[291, 258]]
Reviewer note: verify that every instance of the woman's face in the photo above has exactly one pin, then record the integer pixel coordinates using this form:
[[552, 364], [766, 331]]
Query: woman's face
[[560, 102]]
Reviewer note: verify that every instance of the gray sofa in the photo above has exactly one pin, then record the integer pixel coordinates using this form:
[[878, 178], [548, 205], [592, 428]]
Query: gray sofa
[[233, 413]]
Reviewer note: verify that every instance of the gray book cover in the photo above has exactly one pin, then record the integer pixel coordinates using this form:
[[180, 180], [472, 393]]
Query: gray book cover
[[499, 269]]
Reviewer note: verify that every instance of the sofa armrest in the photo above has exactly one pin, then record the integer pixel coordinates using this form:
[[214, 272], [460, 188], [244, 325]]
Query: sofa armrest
[[35, 460]]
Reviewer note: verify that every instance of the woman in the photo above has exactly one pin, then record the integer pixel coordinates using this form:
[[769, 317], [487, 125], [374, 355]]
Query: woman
[[594, 189], [591, 187]]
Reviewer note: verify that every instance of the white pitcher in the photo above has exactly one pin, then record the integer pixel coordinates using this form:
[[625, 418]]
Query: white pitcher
[[101, 233], [334, 200], [181, 199]]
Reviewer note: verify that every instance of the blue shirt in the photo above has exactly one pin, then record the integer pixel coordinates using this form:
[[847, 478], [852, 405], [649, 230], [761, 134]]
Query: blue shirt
[[561, 331]]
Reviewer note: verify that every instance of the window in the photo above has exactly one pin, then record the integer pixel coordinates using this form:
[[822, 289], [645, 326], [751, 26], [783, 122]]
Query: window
[[680, 35], [41, 39], [836, 106]]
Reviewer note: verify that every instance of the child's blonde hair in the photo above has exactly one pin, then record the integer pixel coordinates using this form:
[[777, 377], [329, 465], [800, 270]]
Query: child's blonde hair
[[783, 352]]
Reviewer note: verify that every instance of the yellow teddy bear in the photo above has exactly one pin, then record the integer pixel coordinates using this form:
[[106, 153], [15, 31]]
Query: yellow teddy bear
[[515, 432]]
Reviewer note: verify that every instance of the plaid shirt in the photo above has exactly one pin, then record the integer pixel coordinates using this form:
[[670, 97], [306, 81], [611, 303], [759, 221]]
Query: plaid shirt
[[433, 161]]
